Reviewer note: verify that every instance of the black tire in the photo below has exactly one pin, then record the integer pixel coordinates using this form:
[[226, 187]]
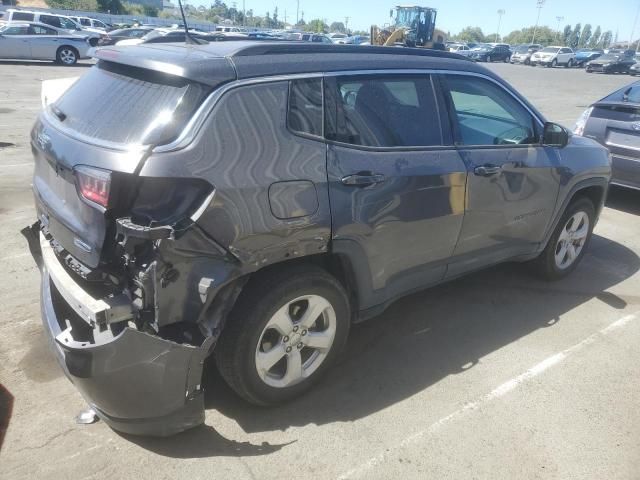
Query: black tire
[[235, 352], [67, 56], [545, 265], [507, 59], [488, 58], [527, 61], [569, 63], [554, 63]]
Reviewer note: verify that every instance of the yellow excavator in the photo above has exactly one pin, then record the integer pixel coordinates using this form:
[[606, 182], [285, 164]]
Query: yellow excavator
[[412, 26]]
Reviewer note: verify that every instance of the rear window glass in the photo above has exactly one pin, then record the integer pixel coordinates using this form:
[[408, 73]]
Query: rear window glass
[[22, 16], [305, 106], [129, 105]]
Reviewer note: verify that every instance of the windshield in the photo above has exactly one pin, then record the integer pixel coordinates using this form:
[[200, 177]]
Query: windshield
[[549, 50], [609, 57], [153, 34], [522, 49], [135, 105], [407, 16]]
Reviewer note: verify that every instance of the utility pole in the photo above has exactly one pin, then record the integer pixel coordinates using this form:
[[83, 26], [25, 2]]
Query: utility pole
[[559, 19], [539, 5], [501, 12], [297, 12], [244, 14], [346, 24]]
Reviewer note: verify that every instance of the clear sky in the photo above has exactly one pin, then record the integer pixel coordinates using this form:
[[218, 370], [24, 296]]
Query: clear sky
[[454, 15]]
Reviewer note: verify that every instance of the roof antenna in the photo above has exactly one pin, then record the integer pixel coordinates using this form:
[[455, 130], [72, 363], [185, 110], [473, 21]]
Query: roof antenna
[[187, 36]]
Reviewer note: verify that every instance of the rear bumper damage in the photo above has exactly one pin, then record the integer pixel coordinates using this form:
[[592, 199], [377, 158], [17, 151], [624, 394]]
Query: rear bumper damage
[[137, 382]]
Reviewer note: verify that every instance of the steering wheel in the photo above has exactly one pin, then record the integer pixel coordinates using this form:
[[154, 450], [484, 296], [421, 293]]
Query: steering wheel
[[513, 136]]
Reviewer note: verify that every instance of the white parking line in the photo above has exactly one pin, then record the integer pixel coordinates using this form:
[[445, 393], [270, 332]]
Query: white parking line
[[494, 394], [18, 165]]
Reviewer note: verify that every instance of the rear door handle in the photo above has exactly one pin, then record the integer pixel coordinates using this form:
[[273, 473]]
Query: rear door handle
[[363, 179], [487, 170]]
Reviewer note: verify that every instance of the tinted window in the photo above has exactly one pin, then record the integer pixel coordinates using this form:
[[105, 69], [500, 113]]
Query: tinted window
[[22, 16], [487, 114], [16, 31], [99, 24], [67, 23], [51, 20], [305, 106], [134, 105], [39, 30], [382, 111]]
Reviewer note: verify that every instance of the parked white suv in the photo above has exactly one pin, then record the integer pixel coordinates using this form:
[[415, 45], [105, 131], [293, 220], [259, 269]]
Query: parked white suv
[[460, 50], [90, 23], [554, 56]]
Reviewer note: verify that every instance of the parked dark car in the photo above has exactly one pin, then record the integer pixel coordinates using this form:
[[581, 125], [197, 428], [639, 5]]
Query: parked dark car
[[614, 121], [585, 55], [489, 53], [114, 36], [635, 68], [251, 200], [522, 53], [612, 63]]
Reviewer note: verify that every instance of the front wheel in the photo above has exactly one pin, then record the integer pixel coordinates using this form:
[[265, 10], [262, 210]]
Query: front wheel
[[568, 242], [488, 58], [554, 63], [570, 63], [287, 329], [67, 56]]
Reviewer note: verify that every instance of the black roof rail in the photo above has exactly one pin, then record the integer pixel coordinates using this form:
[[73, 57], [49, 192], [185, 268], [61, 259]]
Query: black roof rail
[[287, 48]]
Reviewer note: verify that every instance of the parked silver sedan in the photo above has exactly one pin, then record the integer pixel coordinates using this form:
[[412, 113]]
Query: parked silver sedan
[[37, 41]]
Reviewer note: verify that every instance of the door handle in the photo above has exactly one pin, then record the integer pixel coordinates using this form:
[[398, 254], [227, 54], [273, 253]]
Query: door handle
[[363, 179], [487, 170]]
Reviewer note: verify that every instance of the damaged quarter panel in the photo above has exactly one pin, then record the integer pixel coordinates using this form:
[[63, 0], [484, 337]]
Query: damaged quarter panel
[[270, 200]]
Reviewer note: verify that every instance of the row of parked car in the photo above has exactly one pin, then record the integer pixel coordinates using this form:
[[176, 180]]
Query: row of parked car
[[591, 59]]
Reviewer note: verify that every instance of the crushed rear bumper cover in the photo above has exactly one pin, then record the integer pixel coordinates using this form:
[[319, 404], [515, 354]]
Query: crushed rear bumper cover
[[138, 383]]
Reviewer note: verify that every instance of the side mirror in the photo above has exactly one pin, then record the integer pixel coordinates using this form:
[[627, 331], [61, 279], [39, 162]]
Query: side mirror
[[555, 135]]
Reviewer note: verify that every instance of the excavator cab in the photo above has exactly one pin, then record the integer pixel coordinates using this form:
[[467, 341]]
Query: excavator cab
[[418, 23]]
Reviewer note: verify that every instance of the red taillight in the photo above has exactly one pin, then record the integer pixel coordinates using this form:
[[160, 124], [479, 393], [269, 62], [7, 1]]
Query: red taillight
[[94, 184]]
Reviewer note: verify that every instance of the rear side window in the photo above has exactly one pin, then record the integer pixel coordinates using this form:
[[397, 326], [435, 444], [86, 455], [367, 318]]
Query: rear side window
[[127, 105], [382, 111], [22, 16], [305, 106]]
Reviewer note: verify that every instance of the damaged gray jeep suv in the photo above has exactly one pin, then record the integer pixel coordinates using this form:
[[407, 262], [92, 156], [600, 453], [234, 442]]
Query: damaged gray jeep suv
[[251, 200]]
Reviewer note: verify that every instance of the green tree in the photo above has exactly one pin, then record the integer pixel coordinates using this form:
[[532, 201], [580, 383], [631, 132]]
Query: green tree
[[317, 26], [606, 39], [544, 36], [586, 36], [337, 27], [595, 38], [575, 36], [566, 34], [471, 34]]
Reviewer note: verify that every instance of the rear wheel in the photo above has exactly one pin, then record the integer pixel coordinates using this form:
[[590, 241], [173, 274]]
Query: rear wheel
[[570, 63], [488, 58], [569, 241], [67, 55], [554, 63], [286, 331]]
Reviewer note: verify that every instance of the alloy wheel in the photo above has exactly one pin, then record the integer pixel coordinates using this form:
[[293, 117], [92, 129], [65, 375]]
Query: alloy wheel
[[295, 341], [572, 240], [67, 56]]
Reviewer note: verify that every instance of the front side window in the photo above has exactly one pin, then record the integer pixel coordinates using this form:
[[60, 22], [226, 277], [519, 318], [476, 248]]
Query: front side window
[[382, 111], [487, 114], [40, 30], [51, 20], [86, 22], [305, 106]]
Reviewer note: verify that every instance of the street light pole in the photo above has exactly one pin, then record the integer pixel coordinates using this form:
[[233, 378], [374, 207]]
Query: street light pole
[[501, 12], [539, 5], [559, 19], [633, 30]]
